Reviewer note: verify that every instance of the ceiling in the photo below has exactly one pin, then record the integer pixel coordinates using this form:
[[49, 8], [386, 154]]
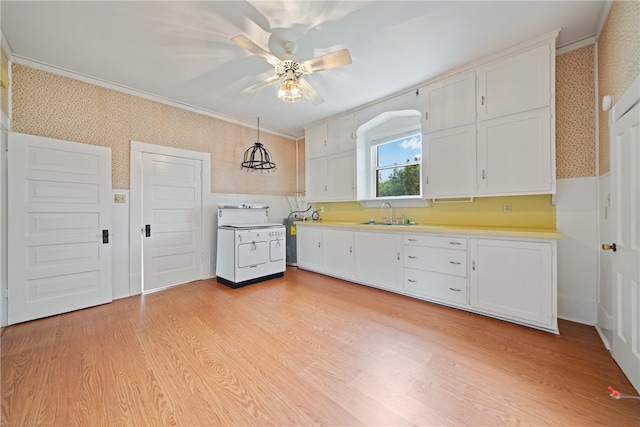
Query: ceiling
[[182, 50]]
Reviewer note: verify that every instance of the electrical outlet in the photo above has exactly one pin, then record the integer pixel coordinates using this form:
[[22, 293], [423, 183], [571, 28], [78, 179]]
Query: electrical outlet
[[321, 209], [506, 208], [120, 198]]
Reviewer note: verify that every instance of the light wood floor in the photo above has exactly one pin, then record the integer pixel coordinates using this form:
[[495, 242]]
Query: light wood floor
[[300, 350]]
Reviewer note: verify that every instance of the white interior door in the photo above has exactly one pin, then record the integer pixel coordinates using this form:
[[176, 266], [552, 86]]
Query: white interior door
[[59, 219], [171, 211], [625, 173]]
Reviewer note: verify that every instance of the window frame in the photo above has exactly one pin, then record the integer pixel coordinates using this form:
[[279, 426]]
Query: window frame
[[374, 168]]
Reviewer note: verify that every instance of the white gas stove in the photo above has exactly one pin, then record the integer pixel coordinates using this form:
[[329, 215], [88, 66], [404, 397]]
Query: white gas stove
[[249, 249]]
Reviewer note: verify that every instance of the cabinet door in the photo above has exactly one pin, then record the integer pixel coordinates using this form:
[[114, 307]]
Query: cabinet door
[[315, 141], [338, 252], [451, 162], [517, 83], [309, 245], [514, 280], [316, 179], [450, 103], [341, 134], [378, 259], [516, 154], [341, 177]]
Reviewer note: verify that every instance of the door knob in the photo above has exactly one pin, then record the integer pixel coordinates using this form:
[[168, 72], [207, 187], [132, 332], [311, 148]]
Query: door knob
[[607, 247]]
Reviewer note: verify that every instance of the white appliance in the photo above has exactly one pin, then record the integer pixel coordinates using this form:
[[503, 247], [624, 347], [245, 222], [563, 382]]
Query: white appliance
[[249, 249]]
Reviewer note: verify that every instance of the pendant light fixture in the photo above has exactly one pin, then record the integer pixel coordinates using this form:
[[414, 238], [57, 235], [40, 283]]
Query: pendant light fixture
[[257, 157]]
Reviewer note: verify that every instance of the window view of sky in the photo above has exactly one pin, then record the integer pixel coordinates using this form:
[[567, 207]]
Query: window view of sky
[[400, 151]]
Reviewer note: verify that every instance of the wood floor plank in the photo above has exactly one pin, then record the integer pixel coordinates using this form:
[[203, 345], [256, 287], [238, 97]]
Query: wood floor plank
[[304, 349]]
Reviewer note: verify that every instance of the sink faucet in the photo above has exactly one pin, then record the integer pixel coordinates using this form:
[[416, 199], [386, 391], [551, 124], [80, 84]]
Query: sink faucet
[[390, 211]]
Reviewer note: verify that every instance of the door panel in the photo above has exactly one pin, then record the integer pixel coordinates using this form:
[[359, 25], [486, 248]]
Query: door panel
[[59, 193], [625, 171], [172, 209]]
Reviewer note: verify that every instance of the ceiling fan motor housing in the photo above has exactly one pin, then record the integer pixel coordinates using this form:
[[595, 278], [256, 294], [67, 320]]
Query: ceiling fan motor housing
[[287, 65]]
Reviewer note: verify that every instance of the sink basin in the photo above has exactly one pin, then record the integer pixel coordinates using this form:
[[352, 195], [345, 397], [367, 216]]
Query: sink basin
[[394, 224]]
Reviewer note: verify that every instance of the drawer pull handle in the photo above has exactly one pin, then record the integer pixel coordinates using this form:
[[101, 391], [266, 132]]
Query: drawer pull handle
[[413, 257], [455, 243], [412, 281], [455, 262], [455, 290], [413, 240]]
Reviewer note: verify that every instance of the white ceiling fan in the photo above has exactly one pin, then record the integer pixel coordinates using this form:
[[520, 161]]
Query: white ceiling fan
[[289, 69]]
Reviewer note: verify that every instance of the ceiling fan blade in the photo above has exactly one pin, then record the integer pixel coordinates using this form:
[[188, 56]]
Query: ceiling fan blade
[[309, 92], [260, 85], [250, 46], [325, 62]]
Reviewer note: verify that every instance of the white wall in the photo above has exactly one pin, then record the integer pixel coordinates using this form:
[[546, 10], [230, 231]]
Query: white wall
[[577, 220]]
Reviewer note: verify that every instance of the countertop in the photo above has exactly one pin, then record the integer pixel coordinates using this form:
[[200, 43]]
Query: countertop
[[537, 233]]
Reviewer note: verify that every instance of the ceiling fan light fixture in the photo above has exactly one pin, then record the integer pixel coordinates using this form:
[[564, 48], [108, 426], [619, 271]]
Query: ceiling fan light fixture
[[290, 91]]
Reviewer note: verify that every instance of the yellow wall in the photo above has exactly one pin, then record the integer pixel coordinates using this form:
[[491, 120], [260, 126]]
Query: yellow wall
[[618, 62], [49, 105], [527, 212]]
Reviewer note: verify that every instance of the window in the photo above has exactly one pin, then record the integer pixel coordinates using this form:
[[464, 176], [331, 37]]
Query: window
[[389, 158], [397, 165]]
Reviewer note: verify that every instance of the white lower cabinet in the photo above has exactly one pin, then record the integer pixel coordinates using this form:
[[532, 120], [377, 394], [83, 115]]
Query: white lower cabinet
[[378, 259], [309, 247], [515, 280], [435, 267], [338, 252], [511, 278]]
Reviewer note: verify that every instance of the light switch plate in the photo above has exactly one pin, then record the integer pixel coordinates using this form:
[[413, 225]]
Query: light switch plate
[[120, 198]]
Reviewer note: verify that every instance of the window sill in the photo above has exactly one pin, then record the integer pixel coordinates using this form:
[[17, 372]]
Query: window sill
[[400, 202]]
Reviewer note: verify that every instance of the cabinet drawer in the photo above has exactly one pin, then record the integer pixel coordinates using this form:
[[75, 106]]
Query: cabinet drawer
[[435, 285], [446, 261], [436, 241]]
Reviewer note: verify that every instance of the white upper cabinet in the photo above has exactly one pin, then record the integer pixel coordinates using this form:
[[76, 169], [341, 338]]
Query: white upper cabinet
[[449, 103], [516, 83], [315, 141], [330, 165], [341, 134], [515, 154], [331, 178], [450, 167]]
